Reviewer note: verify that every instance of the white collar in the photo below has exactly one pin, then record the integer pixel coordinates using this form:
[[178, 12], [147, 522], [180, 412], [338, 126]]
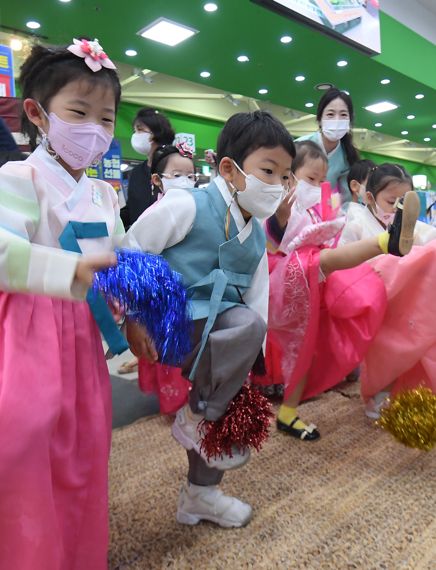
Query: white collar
[[234, 208], [321, 144], [59, 170]]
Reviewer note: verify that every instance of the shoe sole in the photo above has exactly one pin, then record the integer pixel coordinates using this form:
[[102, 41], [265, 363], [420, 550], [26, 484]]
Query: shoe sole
[[193, 519], [411, 209], [188, 444]]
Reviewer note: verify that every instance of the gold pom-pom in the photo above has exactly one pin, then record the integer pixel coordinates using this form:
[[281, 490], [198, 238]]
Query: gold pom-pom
[[411, 418]]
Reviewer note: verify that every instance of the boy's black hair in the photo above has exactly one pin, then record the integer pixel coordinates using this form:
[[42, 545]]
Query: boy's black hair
[[159, 125], [360, 171], [46, 71], [307, 149], [244, 133], [350, 150], [381, 176]]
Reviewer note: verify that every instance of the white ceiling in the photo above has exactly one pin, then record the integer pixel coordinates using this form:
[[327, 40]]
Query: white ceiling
[[418, 15]]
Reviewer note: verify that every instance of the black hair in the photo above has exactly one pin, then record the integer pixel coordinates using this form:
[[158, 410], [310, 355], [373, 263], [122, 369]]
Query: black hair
[[307, 149], [161, 156], [46, 71], [360, 171], [381, 176], [246, 132], [159, 125], [350, 150]]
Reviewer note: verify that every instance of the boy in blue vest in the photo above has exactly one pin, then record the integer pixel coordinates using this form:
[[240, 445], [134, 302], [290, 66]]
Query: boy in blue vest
[[213, 238]]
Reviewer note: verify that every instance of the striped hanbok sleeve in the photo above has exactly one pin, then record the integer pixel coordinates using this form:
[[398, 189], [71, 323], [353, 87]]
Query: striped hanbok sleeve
[[25, 266]]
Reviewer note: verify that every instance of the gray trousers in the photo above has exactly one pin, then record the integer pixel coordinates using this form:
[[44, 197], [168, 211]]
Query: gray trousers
[[231, 350]]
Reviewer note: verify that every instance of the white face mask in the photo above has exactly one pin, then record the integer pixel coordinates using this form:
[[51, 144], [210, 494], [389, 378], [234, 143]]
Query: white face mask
[[261, 200], [141, 142], [179, 182], [306, 195], [335, 129], [384, 217]]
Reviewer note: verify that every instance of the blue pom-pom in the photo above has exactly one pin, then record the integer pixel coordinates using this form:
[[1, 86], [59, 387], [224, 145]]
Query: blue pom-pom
[[152, 294]]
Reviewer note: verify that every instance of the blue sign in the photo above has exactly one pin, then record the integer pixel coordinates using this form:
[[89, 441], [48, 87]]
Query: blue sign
[[7, 84]]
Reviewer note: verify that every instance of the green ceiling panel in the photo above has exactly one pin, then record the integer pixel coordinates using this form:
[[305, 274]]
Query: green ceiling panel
[[242, 27]]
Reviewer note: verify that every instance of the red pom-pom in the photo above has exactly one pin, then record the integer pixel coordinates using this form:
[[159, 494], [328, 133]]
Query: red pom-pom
[[245, 424]]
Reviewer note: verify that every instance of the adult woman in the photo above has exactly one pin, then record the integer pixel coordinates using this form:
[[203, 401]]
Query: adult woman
[[151, 130], [335, 115]]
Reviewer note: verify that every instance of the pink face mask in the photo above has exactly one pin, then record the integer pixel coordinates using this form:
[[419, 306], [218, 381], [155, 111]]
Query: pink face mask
[[79, 145], [383, 216]]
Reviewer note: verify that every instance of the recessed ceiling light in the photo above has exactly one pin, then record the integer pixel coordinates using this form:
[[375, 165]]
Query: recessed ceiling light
[[167, 32], [286, 39], [210, 7], [205, 74], [323, 86], [65, 1], [131, 52], [419, 96], [33, 25], [378, 124], [124, 166], [16, 44], [243, 58], [263, 91], [427, 139], [385, 81], [410, 117], [381, 107], [308, 105], [433, 126], [342, 63], [404, 132], [300, 78]]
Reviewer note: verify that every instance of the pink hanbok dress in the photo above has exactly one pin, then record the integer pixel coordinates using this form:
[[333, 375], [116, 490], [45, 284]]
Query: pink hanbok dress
[[55, 399]]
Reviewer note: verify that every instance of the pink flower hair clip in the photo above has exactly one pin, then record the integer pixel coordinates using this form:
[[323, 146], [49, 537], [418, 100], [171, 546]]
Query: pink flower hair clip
[[184, 150], [95, 57]]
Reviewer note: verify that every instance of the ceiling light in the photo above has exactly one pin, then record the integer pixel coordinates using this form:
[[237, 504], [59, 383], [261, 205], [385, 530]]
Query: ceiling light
[[167, 32], [308, 105], [300, 78], [433, 126], [205, 74], [378, 124], [65, 1], [286, 39], [124, 166], [381, 107], [16, 44], [131, 52], [404, 132], [243, 58], [385, 81], [263, 91], [410, 117], [33, 25], [419, 96], [342, 63], [427, 139], [323, 86], [210, 7]]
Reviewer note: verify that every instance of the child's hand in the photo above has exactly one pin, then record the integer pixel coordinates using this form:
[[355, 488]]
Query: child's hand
[[140, 342], [283, 212], [210, 157], [90, 264]]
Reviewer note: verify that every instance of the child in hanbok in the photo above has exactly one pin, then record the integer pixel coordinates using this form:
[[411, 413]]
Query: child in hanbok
[[402, 354], [321, 320], [55, 398], [172, 167]]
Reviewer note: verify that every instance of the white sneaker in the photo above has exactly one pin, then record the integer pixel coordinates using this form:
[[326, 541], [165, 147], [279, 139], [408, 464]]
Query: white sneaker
[[375, 404], [188, 433], [198, 503]]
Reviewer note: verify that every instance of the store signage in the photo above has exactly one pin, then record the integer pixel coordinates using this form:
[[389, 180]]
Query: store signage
[[7, 85]]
